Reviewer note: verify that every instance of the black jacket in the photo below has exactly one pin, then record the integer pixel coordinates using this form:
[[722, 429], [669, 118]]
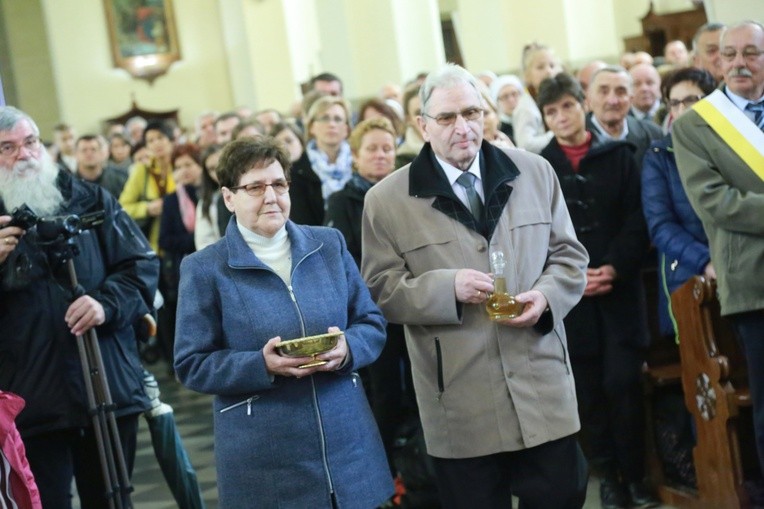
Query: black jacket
[[39, 359], [174, 240], [344, 212], [305, 193], [604, 202]]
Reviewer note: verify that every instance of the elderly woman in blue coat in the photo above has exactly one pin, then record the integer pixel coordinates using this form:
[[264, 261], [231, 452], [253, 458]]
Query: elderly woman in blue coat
[[285, 435]]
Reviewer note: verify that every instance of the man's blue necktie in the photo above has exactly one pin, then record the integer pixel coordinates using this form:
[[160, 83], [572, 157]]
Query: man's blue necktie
[[758, 113]]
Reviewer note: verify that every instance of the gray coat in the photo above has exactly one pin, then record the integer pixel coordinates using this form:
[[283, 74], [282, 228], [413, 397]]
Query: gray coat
[[283, 442], [482, 388]]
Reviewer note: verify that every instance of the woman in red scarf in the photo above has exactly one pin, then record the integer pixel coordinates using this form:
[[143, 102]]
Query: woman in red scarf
[[176, 231]]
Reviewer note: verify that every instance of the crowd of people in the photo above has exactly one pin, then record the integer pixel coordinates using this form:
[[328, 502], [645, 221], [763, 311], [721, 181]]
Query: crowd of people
[[579, 179]]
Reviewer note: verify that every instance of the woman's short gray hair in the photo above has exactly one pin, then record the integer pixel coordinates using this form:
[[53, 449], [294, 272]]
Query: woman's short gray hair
[[448, 76], [10, 116]]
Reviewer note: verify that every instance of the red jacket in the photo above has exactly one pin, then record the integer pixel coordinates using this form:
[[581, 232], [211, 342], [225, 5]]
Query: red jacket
[[23, 488]]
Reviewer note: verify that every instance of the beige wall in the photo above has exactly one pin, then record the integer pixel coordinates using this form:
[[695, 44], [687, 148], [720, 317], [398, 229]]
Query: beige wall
[[258, 52], [30, 63], [580, 31], [592, 32], [732, 11], [89, 88]]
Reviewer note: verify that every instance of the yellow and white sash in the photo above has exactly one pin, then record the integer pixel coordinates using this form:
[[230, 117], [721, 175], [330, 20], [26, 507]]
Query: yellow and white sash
[[735, 128]]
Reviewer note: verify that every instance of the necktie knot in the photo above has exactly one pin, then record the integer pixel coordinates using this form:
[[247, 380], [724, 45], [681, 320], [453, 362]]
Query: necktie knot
[[467, 181]]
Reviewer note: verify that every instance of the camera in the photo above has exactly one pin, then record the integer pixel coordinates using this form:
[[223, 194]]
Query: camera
[[23, 217], [55, 235], [51, 229]]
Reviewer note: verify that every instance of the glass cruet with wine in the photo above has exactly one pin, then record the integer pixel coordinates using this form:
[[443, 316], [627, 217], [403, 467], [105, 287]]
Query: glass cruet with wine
[[500, 304]]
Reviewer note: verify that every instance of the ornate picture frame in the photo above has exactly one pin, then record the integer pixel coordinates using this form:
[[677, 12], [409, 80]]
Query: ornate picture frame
[[143, 36]]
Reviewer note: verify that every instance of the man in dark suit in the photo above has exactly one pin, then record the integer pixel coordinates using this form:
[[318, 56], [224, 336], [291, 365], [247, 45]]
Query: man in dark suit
[[609, 97], [720, 154]]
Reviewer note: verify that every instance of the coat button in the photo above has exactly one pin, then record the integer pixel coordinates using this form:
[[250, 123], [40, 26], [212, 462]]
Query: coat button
[[481, 248], [510, 374]]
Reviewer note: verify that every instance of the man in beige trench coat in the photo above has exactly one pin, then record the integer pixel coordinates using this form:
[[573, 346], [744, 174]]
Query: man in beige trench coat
[[497, 399]]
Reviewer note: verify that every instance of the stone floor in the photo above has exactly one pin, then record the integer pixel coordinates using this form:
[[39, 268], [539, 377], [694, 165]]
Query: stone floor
[[193, 414]]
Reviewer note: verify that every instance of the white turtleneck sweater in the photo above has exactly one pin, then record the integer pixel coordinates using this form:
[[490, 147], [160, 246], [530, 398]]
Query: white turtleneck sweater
[[275, 252]]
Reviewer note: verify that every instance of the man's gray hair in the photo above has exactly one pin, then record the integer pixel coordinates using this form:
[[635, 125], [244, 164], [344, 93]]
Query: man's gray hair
[[450, 75], [614, 69], [705, 28], [10, 116], [744, 23], [136, 120]]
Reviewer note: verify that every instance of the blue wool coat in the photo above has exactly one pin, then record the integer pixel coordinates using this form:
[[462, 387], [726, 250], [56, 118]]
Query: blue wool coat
[[674, 227], [283, 442]]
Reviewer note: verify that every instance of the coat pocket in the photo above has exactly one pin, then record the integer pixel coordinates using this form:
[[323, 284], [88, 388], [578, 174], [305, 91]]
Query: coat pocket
[[439, 367], [564, 350], [425, 250]]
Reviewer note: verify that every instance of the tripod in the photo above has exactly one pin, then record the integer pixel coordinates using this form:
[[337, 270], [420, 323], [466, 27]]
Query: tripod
[[57, 234], [101, 407]]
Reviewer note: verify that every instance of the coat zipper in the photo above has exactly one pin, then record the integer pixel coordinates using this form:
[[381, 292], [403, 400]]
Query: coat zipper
[[323, 439], [247, 402], [324, 458], [312, 380], [439, 359]]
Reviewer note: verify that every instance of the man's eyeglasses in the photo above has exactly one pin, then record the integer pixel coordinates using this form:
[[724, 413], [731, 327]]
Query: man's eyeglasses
[[749, 54], [325, 119], [9, 149], [686, 102], [258, 188], [449, 118]]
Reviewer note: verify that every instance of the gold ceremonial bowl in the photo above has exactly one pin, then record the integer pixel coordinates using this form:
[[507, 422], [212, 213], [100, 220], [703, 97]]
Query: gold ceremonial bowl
[[309, 346]]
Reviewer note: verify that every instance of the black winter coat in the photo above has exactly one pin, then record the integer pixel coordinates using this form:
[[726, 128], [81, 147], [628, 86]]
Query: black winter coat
[[305, 193], [345, 211], [39, 359], [603, 199]]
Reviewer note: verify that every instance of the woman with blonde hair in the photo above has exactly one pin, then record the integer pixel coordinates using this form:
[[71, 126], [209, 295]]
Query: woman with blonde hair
[[539, 63], [326, 165], [373, 146]]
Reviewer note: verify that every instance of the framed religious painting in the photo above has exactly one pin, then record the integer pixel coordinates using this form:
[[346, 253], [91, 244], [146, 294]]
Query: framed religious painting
[[143, 36]]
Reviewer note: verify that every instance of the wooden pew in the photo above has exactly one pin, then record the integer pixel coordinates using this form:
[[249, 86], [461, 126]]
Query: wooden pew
[[662, 372], [715, 387]]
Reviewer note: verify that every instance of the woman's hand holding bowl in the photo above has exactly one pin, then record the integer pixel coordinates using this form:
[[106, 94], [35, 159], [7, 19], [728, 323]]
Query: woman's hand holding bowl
[[278, 364]]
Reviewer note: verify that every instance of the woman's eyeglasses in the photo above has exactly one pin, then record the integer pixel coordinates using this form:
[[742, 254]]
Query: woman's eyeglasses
[[686, 102], [258, 188]]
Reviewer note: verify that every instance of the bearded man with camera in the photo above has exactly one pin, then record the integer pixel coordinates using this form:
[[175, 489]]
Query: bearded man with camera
[[41, 315]]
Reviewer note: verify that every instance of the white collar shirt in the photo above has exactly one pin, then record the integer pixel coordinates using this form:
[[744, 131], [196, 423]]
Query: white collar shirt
[[453, 173], [606, 135]]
